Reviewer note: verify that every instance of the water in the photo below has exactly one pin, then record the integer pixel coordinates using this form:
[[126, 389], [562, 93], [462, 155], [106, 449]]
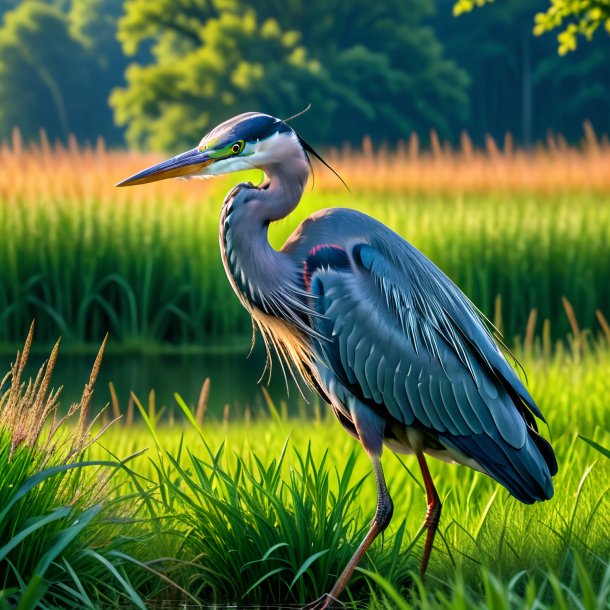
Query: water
[[234, 380]]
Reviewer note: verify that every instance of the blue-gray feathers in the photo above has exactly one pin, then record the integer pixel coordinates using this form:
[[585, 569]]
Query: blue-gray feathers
[[403, 340], [250, 126]]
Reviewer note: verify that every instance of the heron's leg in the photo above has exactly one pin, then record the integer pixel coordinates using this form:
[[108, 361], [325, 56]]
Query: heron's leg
[[433, 514], [369, 428], [381, 520]]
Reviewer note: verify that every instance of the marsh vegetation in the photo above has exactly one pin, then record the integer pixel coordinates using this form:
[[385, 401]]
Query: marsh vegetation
[[178, 502], [516, 231], [266, 510]]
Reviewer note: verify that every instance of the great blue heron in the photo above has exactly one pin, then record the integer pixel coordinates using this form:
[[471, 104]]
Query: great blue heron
[[387, 339]]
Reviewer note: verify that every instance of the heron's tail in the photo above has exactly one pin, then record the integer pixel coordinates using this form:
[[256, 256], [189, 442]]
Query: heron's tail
[[526, 472]]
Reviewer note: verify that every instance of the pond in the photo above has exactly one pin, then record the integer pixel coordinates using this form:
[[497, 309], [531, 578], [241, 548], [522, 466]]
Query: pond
[[234, 381]]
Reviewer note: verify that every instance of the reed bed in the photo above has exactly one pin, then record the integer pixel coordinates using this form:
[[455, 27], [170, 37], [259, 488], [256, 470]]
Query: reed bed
[[86, 521], [550, 168], [518, 231], [35, 170]]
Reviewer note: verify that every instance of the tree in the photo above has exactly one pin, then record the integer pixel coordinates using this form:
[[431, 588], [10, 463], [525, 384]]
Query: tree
[[41, 82], [518, 81], [366, 68], [52, 69], [571, 17], [218, 66], [576, 17], [94, 23], [390, 72]]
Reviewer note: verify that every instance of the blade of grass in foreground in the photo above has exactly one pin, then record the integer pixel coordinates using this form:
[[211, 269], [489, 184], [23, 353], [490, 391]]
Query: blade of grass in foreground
[[603, 450], [36, 587]]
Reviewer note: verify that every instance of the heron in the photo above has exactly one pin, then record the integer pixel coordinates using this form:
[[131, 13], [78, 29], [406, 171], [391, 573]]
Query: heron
[[401, 355]]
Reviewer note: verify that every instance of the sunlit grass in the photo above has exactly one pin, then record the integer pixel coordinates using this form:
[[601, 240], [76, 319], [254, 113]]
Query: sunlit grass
[[237, 492], [268, 510], [58, 514]]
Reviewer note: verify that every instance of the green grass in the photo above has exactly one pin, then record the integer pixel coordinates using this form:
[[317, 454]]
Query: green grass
[[268, 511], [265, 500], [148, 269], [59, 521]]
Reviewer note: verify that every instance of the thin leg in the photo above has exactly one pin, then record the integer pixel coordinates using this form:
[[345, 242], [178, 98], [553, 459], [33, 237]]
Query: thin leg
[[383, 516], [381, 520], [433, 514]]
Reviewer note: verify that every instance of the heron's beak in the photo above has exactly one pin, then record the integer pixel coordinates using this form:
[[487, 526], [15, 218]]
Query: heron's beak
[[185, 164]]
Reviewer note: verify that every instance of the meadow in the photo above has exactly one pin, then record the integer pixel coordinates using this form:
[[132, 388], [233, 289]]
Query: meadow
[[264, 509], [266, 512]]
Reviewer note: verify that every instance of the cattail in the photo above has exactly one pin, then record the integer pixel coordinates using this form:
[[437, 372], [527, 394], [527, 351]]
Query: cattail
[[530, 329], [42, 405], [202, 403], [152, 414], [591, 146], [603, 323], [247, 415], [572, 319], [25, 408], [498, 314], [546, 338], [466, 146], [85, 401], [435, 145], [130, 408], [114, 401]]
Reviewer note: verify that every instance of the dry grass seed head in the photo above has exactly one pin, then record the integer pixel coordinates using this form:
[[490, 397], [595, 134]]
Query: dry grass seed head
[[26, 408]]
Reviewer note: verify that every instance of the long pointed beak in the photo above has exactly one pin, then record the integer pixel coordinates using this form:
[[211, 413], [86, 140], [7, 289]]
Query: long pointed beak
[[186, 164]]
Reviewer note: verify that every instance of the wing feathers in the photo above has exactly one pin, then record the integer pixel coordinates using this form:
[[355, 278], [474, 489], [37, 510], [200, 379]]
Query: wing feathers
[[406, 340], [454, 409], [370, 372], [414, 405]]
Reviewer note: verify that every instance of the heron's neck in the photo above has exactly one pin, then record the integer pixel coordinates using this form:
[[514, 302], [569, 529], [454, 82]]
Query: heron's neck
[[282, 190], [258, 272]]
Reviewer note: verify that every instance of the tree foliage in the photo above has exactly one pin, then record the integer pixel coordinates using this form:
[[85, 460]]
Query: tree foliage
[[52, 68], [572, 18], [366, 68], [519, 83], [42, 84]]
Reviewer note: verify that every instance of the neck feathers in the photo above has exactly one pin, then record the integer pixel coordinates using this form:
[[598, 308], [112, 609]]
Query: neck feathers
[[287, 171], [269, 283]]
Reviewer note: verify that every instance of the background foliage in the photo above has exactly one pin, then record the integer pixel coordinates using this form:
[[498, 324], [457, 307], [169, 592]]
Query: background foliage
[[159, 74], [571, 17], [367, 68]]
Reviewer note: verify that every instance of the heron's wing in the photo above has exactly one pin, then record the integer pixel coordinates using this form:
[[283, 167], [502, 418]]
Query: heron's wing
[[403, 338]]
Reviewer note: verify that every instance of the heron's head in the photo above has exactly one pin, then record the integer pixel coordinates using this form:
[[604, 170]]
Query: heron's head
[[247, 141]]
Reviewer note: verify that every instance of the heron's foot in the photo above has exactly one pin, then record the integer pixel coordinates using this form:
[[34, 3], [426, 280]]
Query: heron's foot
[[326, 601]]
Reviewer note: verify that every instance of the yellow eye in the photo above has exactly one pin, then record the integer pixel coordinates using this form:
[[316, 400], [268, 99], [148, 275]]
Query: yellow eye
[[237, 147]]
